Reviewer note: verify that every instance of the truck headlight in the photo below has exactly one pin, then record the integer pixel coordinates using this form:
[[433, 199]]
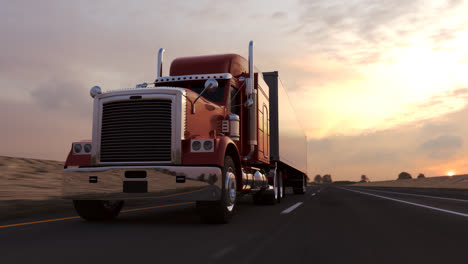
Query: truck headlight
[[87, 148], [208, 145], [77, 148], [196, 145]]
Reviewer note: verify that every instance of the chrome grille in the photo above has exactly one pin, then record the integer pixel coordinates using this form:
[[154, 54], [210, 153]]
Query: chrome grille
[[136, 131]]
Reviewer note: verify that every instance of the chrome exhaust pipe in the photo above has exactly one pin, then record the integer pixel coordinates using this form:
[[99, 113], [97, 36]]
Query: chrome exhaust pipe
[[160, 62], [250, 87], [252, 94]]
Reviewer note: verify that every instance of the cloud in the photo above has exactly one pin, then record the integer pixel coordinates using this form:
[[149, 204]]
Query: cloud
[[429, 146], [279, 15], [438, 104], [442, 147], [364, 31], [63, 95]]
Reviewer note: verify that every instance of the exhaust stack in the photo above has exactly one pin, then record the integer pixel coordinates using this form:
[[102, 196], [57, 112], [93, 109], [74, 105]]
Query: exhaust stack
[[250, 86], [160, 62], [252, 95]]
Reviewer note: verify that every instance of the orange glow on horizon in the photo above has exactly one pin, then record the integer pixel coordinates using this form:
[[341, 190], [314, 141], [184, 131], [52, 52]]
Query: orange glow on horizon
[[450, 173]]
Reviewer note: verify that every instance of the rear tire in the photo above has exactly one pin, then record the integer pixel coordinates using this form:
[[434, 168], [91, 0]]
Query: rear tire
[[98, 210], [302, 188], [280, 188], [220, 212], [270, 196]]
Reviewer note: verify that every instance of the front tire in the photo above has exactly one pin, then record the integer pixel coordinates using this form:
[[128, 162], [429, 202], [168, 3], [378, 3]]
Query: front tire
[[98, 210], [220, 212]]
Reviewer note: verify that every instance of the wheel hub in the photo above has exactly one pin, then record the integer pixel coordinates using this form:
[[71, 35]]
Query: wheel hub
[[231, 190]]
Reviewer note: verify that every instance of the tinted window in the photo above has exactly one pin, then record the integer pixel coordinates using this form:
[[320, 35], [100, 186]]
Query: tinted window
[[216, 96], [235, 101]]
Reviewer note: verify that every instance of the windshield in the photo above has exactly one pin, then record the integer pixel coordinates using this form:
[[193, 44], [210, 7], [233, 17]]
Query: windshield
[[216, 96]]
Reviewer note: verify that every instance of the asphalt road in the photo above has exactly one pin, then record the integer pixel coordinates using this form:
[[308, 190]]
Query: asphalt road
[[326, 225]]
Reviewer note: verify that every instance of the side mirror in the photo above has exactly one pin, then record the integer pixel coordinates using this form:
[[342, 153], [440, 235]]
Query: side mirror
[[210, 85], [249, 103]]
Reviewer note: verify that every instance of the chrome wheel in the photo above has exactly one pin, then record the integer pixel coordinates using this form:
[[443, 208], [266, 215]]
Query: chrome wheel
[[231, 190], [280, 186], [221, 211], [276, 185]]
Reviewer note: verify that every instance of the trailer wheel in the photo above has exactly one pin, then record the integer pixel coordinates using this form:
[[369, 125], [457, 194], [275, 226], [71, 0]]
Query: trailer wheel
[[280, 187], [220, 212], [302, 188], [98, 210], [270, 196]]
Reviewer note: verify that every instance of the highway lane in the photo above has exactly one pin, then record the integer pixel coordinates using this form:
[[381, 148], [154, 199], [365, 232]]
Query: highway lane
[[430, 201], [331, 226]]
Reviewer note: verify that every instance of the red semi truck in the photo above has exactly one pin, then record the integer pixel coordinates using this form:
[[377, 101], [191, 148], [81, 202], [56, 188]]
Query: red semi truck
[[214, 129]]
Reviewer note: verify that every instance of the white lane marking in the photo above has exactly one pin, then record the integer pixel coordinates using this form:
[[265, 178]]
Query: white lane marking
[[290, 209], [406, 202], [313, 194], [421, 195], [222, 252]]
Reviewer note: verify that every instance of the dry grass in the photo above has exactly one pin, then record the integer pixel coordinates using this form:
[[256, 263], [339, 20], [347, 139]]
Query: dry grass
[[455, 182], [30, 186], [30, 179]]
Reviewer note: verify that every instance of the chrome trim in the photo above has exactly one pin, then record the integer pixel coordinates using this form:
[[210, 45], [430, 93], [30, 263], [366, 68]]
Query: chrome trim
[[95, 90], [234, 117], [231, 190], [234, 127], [160, 62], [177, 95], [194, 77], [251, 79], [202, 183], [252, 95]]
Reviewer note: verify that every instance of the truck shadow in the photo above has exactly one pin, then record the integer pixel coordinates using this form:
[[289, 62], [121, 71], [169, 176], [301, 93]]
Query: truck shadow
[[183, 215]]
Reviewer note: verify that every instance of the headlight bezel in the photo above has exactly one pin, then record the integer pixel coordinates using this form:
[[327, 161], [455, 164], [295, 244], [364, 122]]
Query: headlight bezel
[[203, 145], [79, 148]]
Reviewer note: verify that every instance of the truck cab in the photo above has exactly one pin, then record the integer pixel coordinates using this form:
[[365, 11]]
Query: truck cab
[[200, 134]]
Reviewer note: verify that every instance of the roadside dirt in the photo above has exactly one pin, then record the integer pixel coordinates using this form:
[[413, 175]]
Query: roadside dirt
[[29, 186]]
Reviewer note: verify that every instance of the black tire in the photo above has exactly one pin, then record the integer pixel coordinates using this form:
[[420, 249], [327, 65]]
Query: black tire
[[220, 212], [302, 188], [98, 210]]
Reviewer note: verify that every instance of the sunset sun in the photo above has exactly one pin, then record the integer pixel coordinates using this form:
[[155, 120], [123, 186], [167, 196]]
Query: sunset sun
[[450, 173]]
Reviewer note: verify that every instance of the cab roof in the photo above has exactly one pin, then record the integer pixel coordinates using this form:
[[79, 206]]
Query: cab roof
[[223, 63]]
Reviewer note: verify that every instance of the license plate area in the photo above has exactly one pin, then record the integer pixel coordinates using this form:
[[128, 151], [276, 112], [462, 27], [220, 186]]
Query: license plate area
[[135, 186]]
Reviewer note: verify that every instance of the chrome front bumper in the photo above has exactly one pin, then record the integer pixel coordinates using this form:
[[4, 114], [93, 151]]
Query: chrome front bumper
[[107, 183]]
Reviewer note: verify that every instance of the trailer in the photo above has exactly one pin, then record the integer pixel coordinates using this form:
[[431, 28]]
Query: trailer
[[288, 140], [213, 130]]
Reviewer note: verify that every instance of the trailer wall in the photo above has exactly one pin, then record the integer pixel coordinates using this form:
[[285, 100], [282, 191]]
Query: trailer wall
[[288, 143]]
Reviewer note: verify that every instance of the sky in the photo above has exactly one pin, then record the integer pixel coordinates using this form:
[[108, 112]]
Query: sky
[[380, 87]]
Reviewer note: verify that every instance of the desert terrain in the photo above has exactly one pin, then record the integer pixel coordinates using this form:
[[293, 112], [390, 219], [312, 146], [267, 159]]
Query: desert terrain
[[445, 182], [33, 185], [29, 186]]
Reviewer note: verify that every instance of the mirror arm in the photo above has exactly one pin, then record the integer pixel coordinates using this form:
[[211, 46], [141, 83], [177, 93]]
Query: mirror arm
[[193, 105]]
